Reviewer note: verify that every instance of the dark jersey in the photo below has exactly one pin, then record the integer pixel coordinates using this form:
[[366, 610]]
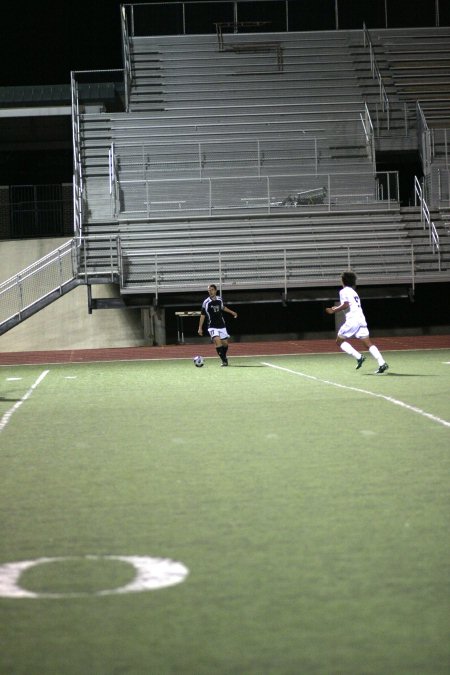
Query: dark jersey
[[213, 309]]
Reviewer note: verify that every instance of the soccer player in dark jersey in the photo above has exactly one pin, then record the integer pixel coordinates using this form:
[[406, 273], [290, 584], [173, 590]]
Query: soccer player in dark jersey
[[212, 310]]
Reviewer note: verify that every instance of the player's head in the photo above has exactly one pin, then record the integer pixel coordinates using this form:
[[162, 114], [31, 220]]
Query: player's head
[[212, 290], [348, 278]]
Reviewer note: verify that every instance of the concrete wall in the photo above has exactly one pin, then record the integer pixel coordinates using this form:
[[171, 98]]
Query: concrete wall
[[66, 323]]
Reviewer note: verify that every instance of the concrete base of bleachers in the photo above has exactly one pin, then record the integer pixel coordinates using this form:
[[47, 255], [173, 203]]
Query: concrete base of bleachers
[[66, 323]]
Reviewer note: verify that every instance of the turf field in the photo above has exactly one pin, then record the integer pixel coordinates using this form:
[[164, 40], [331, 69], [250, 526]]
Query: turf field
[[285, 515]]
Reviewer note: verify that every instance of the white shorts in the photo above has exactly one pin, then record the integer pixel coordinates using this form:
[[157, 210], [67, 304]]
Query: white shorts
[[353, 330], [218, 332]]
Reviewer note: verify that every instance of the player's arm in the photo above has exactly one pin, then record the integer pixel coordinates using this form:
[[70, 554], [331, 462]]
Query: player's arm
[[338, 308], [230, 311], [200, 324]]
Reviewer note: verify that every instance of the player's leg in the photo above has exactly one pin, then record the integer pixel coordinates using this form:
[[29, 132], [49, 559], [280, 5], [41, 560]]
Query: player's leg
[[221, 348], [375, 352], [351, 351], [223, 354]]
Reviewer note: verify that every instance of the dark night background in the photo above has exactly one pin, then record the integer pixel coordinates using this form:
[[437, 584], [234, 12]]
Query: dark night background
[[43, 41]]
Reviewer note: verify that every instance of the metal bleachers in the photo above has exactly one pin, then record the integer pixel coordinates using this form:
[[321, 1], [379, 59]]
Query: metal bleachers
[[198, 114], [240, 156], [417, 61], [272, 251], [252, 161]]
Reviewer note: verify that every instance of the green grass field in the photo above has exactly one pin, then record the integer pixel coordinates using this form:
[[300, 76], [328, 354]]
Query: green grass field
[[308, 501]]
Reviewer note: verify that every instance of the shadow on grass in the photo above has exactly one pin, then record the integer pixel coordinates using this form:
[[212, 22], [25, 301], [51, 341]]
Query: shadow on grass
[[391, 374], [247, 365]]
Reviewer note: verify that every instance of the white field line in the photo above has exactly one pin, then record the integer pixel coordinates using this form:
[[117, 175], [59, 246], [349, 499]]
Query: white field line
[[395, 401], [9, 413]]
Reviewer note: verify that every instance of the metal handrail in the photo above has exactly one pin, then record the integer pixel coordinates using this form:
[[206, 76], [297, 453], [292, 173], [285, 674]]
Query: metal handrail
[[424, 139], [288, 193], [127, 73], [281, 267], [39, 264], [376, 73], [426, 220], [20, 293], [76, 149], [138, 155], [368, 132]]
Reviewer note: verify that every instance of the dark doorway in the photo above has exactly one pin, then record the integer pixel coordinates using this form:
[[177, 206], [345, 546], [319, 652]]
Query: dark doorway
[[408, 165]]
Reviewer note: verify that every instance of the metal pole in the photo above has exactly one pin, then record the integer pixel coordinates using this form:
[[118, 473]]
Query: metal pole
[[446, 148], [111, 258], [210, 197], [258, 149], [20, 296]]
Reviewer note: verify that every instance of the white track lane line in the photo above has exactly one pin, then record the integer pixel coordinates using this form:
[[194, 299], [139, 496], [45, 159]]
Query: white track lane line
[[395, 401], [9, 413]]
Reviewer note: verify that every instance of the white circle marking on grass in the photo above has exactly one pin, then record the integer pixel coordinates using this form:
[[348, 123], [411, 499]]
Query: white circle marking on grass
[[151, 574], [390, 399]]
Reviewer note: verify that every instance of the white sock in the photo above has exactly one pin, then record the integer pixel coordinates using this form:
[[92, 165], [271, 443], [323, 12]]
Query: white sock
[[348, 349], [376, 355]]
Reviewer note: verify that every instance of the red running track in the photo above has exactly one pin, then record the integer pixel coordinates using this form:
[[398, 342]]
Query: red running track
[[260, 348]]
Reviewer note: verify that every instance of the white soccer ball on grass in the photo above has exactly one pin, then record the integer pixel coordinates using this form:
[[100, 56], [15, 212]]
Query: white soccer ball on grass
[[199, 361]]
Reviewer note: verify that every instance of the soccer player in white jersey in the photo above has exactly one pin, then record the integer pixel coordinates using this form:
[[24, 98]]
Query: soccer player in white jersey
[[355, 325], [212, 310]]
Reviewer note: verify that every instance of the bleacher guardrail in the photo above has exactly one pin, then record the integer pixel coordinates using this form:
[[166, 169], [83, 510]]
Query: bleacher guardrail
[[266, 194], [424, 140], [376, 74], [428, 224], [48, 277], [257, 266], [127, 74]]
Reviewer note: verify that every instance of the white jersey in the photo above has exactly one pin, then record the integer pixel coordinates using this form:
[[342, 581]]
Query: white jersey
[[354, 313]]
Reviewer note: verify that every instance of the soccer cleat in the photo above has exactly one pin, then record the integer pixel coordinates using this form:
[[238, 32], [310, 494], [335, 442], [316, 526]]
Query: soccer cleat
[[361, 360], [381, 369], [224, 362]]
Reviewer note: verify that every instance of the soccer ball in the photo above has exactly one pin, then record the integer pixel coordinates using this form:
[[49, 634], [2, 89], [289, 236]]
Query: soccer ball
[[198, 361]]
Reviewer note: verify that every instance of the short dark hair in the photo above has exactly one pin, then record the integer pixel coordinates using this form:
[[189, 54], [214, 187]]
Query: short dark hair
[[349, 278], [213, 286]]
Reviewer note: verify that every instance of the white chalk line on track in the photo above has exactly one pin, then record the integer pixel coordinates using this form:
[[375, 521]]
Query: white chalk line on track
[[195, 350], [390, 399], [9, 413]]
